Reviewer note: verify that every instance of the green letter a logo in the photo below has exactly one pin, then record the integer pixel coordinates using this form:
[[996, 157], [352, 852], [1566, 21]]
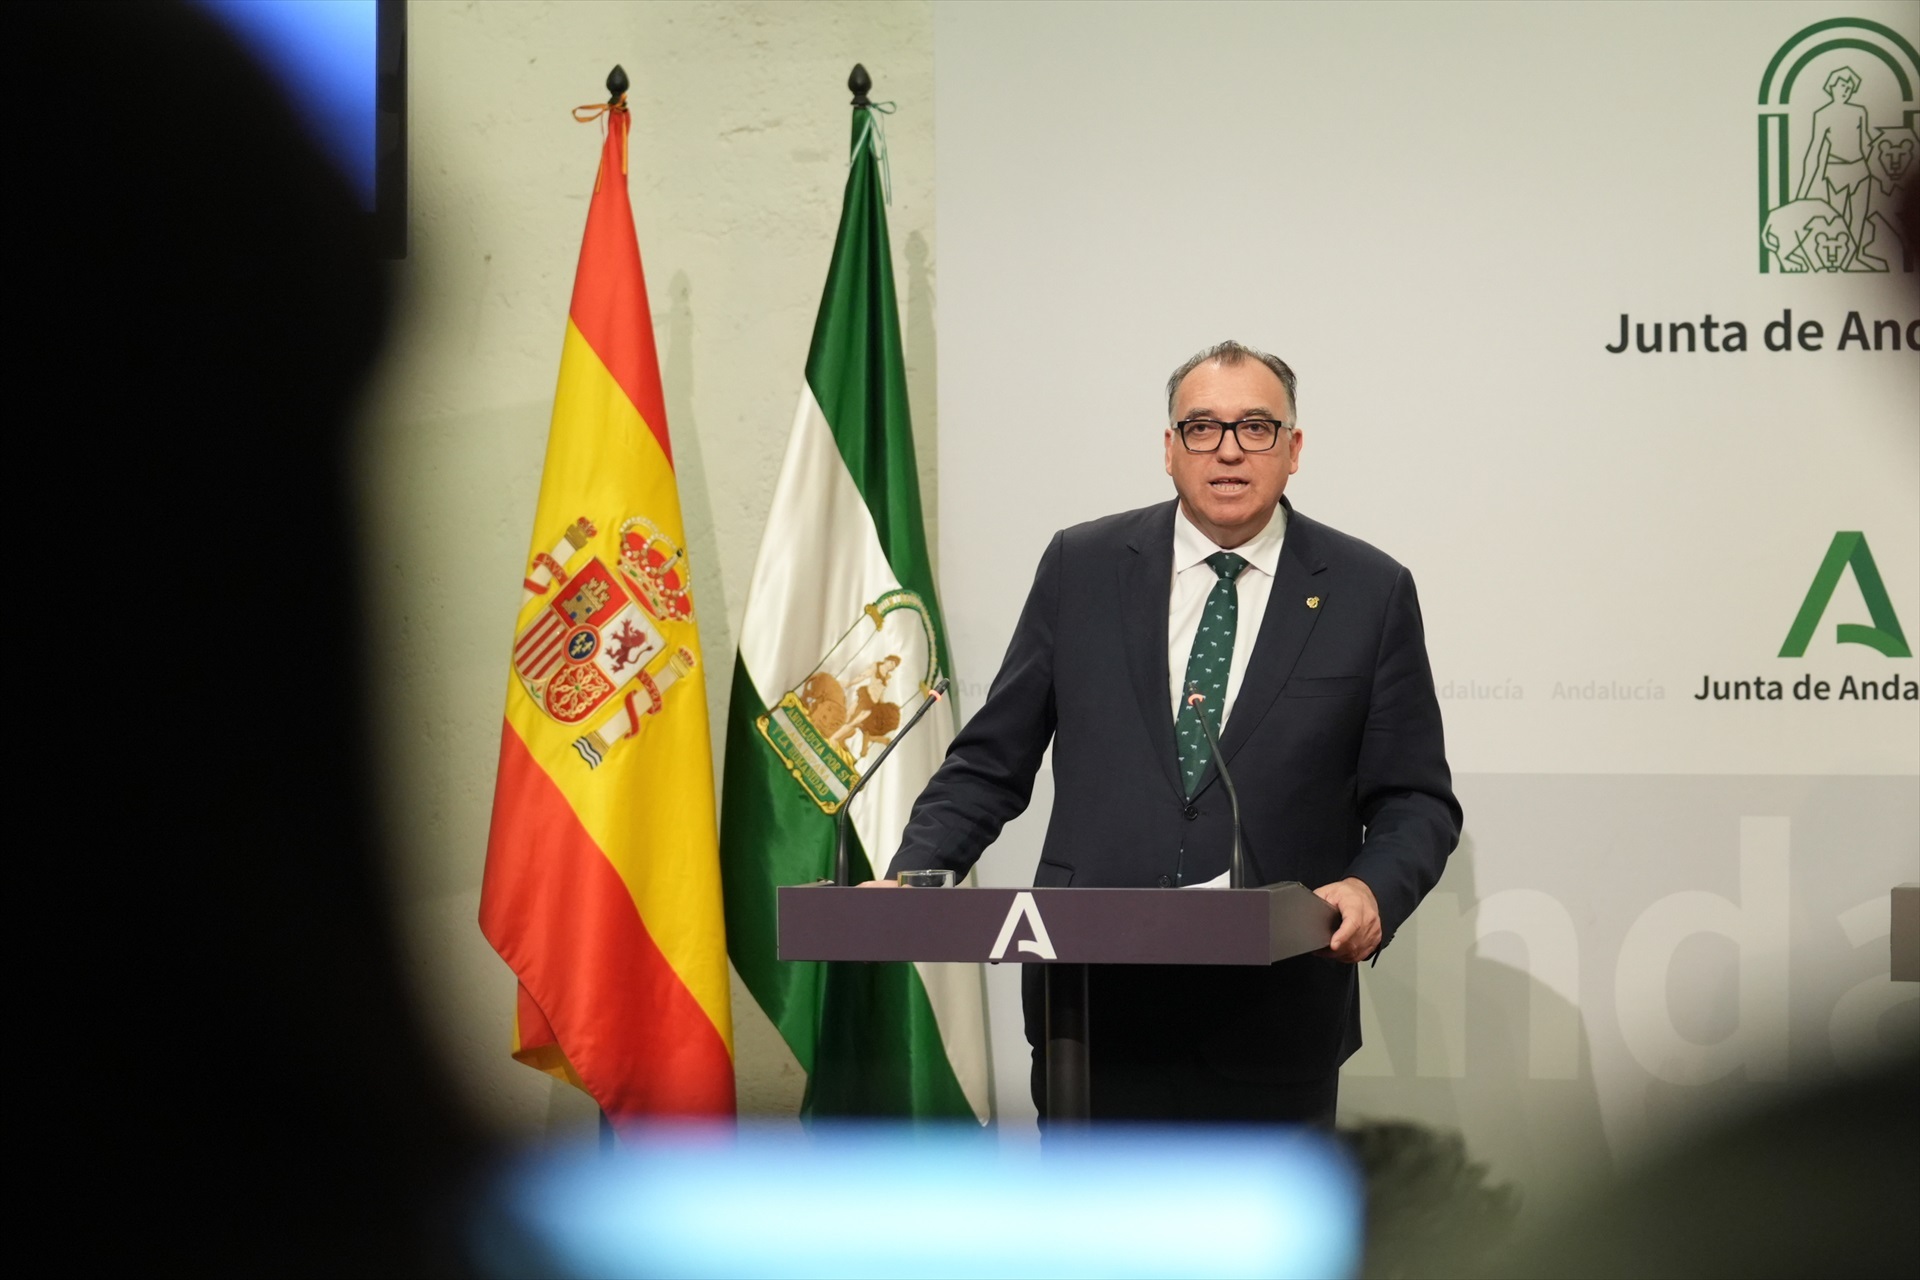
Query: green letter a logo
[[1884, 635]]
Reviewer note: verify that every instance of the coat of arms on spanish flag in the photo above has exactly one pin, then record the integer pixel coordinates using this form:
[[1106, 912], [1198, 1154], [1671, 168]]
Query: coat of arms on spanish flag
[[602, 886]]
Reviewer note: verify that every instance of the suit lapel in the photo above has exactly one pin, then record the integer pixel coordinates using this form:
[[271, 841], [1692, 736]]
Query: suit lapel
[[1146, 585], [1283, 635]]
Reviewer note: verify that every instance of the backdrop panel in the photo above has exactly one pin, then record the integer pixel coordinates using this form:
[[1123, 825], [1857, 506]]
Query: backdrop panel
[[1679, 690]]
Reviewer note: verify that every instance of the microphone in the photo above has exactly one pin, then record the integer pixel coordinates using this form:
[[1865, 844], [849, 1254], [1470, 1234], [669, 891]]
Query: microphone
[[1237, 862], [842, 872]]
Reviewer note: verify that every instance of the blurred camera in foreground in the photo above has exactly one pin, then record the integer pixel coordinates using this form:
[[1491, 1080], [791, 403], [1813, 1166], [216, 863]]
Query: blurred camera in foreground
[[891, 1201]]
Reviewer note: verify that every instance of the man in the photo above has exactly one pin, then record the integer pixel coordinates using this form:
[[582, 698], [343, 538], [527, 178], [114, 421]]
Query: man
[[1307, 644]]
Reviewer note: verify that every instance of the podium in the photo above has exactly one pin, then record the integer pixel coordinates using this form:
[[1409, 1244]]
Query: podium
[[1064, 929]]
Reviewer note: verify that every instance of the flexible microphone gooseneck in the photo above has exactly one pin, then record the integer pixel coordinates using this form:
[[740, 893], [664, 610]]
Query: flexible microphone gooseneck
[[1237, 863], [842, 872]]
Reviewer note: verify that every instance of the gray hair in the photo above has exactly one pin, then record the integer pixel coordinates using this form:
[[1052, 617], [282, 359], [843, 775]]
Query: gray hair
[[1230, 353]]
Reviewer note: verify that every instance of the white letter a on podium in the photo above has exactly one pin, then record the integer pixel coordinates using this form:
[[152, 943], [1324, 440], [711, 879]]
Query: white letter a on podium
[[1040, 944]]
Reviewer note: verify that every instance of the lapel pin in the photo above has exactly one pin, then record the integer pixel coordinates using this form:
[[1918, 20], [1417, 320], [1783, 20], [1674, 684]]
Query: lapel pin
[[1313, 602]]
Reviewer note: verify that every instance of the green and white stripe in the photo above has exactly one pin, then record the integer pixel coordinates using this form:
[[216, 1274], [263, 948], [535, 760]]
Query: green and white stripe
[[844, 530]]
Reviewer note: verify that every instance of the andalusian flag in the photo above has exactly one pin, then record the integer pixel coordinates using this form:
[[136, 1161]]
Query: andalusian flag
[[841, 641], [603, 883]]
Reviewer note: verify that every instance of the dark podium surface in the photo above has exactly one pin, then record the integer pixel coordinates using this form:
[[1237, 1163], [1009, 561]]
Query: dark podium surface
[[1065, 929]]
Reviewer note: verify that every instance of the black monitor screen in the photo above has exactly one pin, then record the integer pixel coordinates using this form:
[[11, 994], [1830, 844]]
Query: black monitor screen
[[343, 64]]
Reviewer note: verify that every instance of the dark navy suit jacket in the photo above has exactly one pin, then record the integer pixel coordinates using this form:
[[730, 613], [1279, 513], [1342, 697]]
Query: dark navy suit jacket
[[1334, 740]]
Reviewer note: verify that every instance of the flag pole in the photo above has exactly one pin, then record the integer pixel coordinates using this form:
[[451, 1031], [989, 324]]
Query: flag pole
[[617, 83]]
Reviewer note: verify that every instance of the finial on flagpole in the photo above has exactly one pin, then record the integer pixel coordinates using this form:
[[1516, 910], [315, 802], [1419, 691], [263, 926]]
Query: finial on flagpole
[[616, 84], [860, 82]]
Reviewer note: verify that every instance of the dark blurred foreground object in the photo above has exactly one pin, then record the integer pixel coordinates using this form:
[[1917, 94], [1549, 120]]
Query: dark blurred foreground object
[[240, 1079], [1430, 1211], [1824, 1185]]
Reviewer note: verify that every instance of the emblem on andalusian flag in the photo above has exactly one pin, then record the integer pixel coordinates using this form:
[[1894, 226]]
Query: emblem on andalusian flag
[[596, 640], [825, 727]]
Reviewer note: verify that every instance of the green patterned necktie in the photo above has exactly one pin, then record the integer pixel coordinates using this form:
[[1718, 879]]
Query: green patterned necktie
[[1207, 667]]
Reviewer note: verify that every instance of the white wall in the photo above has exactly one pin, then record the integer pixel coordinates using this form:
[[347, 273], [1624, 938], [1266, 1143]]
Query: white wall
[[740, 133]]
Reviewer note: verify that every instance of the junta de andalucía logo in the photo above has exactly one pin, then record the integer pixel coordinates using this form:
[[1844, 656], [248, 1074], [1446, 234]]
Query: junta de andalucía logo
[[1847, 553], [1848, 550], [1839, 134]]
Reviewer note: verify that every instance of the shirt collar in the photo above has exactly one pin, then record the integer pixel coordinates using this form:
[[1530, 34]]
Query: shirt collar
[[1192, 547]]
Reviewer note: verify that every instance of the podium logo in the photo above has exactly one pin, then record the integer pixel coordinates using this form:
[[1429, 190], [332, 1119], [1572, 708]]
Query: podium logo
[[1839, 128], [1024, 908], [1848, 550]]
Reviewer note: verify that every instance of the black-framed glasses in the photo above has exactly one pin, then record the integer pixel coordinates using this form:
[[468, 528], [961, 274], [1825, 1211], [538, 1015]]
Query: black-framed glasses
[[1254, 435]]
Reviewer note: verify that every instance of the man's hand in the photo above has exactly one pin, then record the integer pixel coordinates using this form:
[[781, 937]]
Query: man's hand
[[1359, 933], [879, 884]]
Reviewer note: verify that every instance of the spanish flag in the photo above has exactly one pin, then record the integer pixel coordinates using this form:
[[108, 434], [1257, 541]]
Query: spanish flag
[[602, 886]]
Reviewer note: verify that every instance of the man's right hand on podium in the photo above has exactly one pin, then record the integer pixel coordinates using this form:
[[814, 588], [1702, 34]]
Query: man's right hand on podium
[[879, 884]]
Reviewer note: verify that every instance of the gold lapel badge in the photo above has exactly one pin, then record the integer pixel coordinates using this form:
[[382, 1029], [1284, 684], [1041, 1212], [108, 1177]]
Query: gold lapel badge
[[1313, 602]]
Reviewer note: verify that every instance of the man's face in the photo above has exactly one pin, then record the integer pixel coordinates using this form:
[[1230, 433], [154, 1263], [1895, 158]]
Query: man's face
[[1230, 494]]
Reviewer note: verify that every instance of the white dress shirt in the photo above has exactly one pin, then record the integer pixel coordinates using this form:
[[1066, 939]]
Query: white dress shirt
[[1193, 580]]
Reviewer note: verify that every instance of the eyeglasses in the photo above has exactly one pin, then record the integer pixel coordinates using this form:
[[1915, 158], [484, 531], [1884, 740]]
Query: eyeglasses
[[1254, 435]]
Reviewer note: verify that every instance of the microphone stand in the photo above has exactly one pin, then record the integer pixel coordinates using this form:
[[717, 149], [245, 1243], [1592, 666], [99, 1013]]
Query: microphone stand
[[1237, 862], [842, 872]]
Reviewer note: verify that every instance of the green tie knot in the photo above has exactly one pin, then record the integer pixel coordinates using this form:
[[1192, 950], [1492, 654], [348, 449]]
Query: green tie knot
[[1226, 565]]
